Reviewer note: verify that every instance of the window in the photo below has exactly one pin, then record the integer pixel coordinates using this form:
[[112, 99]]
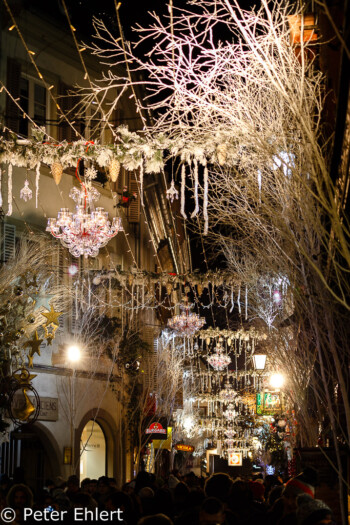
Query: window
[[33, 101]]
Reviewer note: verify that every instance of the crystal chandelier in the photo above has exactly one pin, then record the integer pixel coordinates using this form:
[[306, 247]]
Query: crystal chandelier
[[219, 360], [187, 323], [227, 394], [230, 412], [88, 229]]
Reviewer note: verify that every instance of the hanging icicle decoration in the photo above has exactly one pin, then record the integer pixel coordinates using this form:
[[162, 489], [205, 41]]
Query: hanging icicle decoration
[[259, 185], [183, 178], [246, 303], [195, 175], [232, 300], [37, 177], [238, 299], [141, 182], [0, 188], [205, 201], [9, 191]]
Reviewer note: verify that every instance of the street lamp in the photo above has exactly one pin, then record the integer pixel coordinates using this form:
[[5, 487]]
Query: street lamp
[[259, 362]]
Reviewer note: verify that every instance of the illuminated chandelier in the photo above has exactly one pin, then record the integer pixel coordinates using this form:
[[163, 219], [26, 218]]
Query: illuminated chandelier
[[227, 394], [187, 322], [219, 360], [88, 229], [230, 412]]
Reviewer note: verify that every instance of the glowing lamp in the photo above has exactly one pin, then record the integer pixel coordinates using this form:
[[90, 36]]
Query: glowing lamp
[[73, 353], [259, 361], [277, 380]]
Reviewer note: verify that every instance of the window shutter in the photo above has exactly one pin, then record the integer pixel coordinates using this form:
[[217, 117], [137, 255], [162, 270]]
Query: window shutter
[[8, 242], [134, 208], [13, 85]]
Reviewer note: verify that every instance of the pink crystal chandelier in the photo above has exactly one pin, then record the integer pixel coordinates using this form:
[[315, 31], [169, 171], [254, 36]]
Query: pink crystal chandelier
[[230, 412], [88, 229], [186, 323], [227, 394], [219, 360]]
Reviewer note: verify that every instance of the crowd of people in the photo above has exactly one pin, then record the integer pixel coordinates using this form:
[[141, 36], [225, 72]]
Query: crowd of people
[[177, 500]]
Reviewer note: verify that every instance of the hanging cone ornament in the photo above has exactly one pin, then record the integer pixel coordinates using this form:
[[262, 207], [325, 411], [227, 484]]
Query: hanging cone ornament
[[57, 170], [221, 152], [114, 169]]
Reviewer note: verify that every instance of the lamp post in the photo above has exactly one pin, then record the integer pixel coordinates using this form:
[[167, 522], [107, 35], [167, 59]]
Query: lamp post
[[73, 356]]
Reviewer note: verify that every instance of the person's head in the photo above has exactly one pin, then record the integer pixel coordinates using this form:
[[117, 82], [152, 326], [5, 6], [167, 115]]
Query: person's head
[[275, 493], [103, 485], [211, 512], [73, 483], [19, 496], [155, 519], [258, 490], [85, 484], [301, 484], [92, 487], [218, 486], [313, 511]]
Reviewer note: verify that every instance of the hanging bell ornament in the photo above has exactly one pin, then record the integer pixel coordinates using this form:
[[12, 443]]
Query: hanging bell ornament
[[57, 170], [114, 169], [229, 341], [199, 289], [221, 152], [207, 340], [169, 289]]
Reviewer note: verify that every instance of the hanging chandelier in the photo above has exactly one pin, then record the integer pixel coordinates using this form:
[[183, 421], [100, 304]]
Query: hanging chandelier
[[227, 394], [230, 412], [219, 360], [87, 230], [187, 322]]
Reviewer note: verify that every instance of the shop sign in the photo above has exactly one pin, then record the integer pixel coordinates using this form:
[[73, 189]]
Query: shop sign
[[48, 407], [184, 448], [235, 459], [268, 403], [156, 428]]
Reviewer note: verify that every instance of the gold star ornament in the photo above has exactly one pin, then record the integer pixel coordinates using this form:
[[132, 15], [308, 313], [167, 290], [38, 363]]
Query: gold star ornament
[[52, 316], [34, 344]]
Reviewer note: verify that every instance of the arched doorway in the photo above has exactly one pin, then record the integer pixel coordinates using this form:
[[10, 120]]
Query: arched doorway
[[35, 451], [93, 451]]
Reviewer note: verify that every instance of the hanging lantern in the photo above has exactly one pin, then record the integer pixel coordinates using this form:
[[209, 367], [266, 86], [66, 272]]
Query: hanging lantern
[[57, 170], [114, 169]]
